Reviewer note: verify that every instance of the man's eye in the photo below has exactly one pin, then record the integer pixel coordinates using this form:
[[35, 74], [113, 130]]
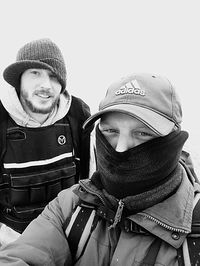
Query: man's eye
[[35, 72], [109, 131], [53, 76], [146, 134]]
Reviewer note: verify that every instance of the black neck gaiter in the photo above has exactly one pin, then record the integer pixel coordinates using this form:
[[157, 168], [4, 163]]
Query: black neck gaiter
[[142, 168]]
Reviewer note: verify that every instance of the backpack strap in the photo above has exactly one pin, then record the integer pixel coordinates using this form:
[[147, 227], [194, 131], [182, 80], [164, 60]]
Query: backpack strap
[[79, 111], [3, 128], [188, 254], [196, 216], [151, 255], [79, 229]]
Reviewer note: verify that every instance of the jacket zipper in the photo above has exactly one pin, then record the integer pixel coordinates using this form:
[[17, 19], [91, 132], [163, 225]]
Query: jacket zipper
[[170, 228], [118, 214], [120, 207]]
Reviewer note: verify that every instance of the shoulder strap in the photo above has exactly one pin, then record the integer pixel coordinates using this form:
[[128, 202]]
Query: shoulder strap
[[79, 111], [193, 240], [196, 215], [79, 229], [189, 252], [151, 255], [3, 128]]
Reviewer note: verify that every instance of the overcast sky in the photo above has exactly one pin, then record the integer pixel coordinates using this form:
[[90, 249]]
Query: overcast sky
[[107, 39]]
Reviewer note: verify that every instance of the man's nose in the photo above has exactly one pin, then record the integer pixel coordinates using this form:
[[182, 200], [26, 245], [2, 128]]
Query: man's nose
[[46, 82], [125, 143]]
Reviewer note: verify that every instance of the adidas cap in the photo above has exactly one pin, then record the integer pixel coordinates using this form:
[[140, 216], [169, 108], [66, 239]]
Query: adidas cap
[[150, 98]]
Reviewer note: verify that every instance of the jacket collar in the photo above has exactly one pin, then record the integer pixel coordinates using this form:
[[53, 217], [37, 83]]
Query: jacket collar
[[171, 219]]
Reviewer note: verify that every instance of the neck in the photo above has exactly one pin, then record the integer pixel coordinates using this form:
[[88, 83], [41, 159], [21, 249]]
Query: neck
[[41, 118]]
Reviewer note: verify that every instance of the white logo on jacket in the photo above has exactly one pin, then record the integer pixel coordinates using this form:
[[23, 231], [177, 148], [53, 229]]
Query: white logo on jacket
[[61, 139]]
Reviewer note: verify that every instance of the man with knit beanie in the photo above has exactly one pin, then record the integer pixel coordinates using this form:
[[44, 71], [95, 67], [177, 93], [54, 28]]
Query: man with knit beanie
[[137, 208], [42, 145]]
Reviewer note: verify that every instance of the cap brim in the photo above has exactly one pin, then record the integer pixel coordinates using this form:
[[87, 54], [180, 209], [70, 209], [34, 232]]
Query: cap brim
[[155, 121], [13, 72]]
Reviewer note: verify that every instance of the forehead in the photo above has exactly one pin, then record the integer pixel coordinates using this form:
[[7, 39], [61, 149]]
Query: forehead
[[120, 118]]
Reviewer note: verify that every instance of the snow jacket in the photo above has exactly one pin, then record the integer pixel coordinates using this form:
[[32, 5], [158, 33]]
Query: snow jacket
[[44, 242]]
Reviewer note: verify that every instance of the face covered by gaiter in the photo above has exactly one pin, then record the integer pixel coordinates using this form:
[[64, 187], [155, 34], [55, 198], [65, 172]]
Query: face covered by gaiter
[[142, 170]]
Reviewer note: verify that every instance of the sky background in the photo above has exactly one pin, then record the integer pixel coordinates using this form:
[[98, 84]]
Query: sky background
[[105, 40]]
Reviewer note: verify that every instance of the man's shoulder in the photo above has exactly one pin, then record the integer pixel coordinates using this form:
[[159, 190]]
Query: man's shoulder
[[67, 195], [3, 120], [3, 111], [78, 105]]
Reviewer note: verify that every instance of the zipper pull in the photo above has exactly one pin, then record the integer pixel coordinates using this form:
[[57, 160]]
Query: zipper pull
[[118, 214]]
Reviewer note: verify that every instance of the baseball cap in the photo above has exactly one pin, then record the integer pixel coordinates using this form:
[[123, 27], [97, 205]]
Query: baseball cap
[[150, 98]]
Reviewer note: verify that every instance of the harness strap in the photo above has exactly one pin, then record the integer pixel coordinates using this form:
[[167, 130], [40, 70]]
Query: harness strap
[[186, 256], [188, 253], [79, 229], [3, 127], [196, 215], [151, 255], [180, 257]]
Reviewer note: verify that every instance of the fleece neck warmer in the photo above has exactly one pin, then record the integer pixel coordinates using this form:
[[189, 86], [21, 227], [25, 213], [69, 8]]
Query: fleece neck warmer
[[140, 171]]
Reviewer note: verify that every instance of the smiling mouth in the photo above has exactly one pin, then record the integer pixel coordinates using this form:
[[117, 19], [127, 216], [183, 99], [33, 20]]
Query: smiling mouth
[[44, 95]]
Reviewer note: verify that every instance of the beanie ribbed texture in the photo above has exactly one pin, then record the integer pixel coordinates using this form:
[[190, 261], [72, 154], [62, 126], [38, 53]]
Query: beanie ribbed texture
[[42, 53]]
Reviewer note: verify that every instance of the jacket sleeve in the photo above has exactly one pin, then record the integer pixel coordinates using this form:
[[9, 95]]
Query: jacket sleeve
[[43, 242]]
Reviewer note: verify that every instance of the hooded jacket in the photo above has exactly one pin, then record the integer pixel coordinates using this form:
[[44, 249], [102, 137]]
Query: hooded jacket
[[44, 241], [71, 112]]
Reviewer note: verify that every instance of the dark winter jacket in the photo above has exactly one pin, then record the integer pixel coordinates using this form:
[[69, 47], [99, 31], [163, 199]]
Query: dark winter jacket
[[21, 200]]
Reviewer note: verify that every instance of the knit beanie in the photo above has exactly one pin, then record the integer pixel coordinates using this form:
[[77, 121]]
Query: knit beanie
[[42, 53]]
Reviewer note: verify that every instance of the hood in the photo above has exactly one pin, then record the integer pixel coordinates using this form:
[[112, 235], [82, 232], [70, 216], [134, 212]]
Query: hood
[[12, 104]]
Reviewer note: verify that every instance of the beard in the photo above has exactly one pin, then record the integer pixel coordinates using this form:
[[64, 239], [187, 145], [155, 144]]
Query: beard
[[39, 110], [34, 107]]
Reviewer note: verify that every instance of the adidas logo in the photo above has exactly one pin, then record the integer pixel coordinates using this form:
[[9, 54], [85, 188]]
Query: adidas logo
[[131, 87]]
